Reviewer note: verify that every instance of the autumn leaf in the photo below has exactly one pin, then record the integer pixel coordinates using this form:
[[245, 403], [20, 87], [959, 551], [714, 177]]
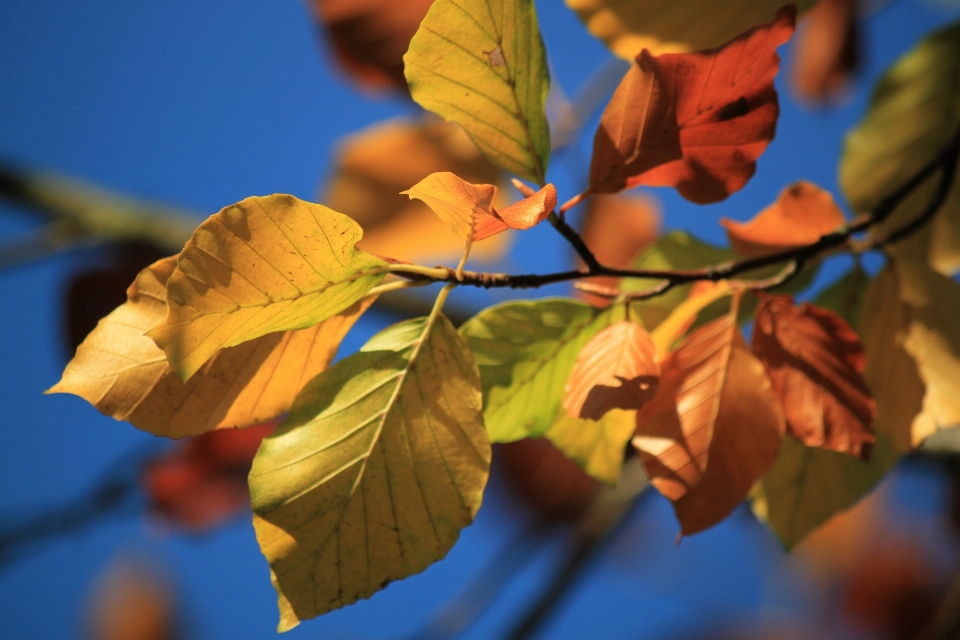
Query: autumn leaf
[[120, 370], [263, 265], [815, 360], [714, 428], [526, 351], [373, 166], [724, 111], [369, 37], [801, 215], [468, 210], [617, 369], [598, 446], [915, 108], [380, 464], [827, 50], [629, 26], [482, 63]]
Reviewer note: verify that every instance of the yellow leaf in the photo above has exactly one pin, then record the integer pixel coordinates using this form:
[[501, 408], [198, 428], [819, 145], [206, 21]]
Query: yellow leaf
[[667, 26], [373, 166], [263, 265], [125, 375], [598, 446], [466, 208], [382, 461]]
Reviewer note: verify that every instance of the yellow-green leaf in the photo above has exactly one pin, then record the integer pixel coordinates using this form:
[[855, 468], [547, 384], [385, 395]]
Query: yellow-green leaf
[[526, 351], [666, 26], [597, 446], [120, 370], [914, 110], [381, 463], [263, 265], [482, 63]]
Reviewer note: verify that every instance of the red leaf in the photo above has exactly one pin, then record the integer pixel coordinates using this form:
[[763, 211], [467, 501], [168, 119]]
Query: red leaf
[[721, 102], [617, 369], [815, 360]]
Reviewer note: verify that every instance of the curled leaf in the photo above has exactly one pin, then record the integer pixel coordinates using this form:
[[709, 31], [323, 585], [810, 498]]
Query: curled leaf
[[815, 360], [801, 215], [721, 101], [617, 369]]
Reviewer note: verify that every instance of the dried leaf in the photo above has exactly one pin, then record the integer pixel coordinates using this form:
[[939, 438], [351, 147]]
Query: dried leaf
[[376, 164], [827, 52], [263, 265], [617, 369], [482, 63], [715, 403], [725, 111], [801, 215], [629, 26], [369, 37], [381, 463], [120, 370], [814, 360]]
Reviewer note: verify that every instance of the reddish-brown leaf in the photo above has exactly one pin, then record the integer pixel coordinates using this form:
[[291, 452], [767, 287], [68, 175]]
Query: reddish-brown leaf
[[723, 391], [369, 37], [719, 104], [815, 361], [827, 52], [617, 369], [801, 214]]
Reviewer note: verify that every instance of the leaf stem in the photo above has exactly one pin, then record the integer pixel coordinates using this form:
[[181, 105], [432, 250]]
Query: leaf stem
[[396, 285]]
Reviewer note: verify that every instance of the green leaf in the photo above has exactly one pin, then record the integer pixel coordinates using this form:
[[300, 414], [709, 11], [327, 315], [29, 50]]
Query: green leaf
[[380, 464], [914, 110], [807, 486], [845, 296], [525, 351], [265, 264], [597, 446], [482, 63]]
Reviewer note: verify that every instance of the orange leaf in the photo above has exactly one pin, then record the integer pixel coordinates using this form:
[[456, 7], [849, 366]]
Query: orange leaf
[[715, 401], [801, 214], [815, 360], [617, 369], [722, 103], [827, 51], [531, 210]]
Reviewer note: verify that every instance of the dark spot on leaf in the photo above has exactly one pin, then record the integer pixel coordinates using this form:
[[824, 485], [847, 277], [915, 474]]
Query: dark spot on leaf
[[735, 109]]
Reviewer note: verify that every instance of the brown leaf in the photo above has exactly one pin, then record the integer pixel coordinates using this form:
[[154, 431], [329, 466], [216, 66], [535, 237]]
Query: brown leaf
[[123, 373], [827, 52], [801, 215], [617, 369], [721, 101], [369, 37], [375, 165], [815, 360]]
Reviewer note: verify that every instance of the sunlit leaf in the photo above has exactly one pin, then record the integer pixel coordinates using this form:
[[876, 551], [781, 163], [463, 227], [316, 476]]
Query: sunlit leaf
[[801, 214], [663, 26], [814, 360], [531, 210], [482, 64], [262, 265], [125, 375], [617, 369], [827, 50], [713, 430], [380, 464], [914, 110], [526, 351], [373, 166], [597, 446]]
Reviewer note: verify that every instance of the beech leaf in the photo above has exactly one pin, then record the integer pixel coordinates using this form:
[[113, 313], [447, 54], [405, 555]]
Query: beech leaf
[[715, 403], [629, 26], [373, 166], [617, 369], [914, 110], [526, 351], [721, 102], [482, 63], [597, 446], [381, 463], [263, 265], [120, 370], [801, 215], [815, 360]]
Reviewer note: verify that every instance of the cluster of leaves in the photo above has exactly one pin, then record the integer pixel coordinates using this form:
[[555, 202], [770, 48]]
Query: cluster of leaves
[[383, 457]]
